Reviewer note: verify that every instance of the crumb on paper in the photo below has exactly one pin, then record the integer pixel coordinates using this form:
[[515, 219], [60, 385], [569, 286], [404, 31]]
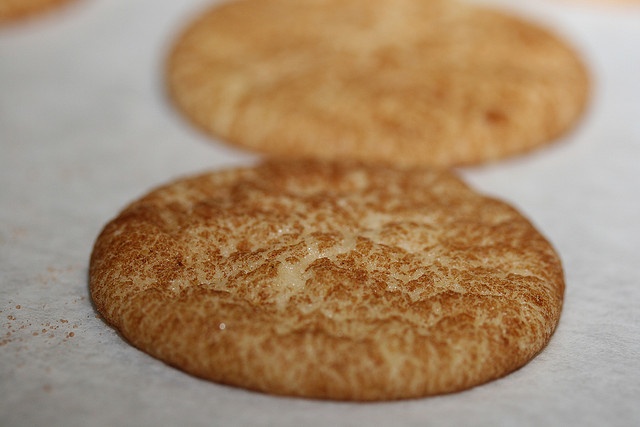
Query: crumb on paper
[[19, 328]]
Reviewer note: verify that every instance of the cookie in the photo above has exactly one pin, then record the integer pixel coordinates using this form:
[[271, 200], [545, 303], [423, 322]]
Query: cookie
[[11, 10], [406, 81], [346, 281]]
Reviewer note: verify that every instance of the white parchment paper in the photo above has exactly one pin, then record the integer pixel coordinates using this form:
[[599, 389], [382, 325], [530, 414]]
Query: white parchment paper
[[85, 127]]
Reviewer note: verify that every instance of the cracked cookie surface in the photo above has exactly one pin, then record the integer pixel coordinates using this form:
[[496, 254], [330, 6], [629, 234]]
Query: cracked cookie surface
[[412, 82], [329, 280]]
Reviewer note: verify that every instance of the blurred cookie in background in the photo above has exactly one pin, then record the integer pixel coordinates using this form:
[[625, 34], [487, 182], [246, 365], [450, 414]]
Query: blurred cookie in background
[[16, 10], [409, 82]]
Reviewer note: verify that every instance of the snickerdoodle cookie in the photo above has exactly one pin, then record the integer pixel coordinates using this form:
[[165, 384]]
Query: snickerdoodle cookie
[[12, 10], [413, 82], [329, 280]]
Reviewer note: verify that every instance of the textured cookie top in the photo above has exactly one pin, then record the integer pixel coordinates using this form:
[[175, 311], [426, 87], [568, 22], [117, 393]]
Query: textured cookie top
[[11, 10], [338, 281], [408, 81]]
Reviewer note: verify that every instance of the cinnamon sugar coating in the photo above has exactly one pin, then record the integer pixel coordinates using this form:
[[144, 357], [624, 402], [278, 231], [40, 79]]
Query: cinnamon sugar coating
[[412, 82], [329, 280]]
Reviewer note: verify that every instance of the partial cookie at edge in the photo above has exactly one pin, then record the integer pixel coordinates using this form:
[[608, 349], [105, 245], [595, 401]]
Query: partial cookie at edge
[[16, 10]]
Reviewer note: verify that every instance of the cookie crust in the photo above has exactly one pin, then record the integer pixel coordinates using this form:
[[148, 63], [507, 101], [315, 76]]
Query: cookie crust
[[413, 82], [329, 281]]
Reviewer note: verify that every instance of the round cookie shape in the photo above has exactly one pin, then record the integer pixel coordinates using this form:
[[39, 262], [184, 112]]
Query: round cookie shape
[[329, 280], [412, 82], [13, 10]]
